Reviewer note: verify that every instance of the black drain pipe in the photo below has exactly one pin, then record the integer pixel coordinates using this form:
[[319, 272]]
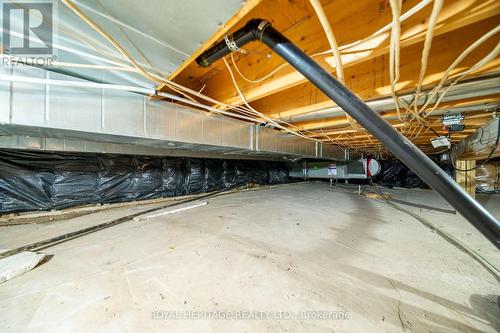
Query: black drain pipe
[[399, 145]]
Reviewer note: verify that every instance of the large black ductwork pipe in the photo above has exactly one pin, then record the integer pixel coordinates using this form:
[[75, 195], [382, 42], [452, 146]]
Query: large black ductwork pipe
[[400, 146]]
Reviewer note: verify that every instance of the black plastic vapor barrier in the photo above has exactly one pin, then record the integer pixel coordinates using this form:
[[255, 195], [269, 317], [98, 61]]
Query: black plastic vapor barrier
[[85, 231], [401, 147], [43, 181], [395, 173]]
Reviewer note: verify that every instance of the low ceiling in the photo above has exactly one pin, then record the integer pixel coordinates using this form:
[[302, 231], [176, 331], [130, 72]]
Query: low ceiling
[[288, 96], [164, 38]]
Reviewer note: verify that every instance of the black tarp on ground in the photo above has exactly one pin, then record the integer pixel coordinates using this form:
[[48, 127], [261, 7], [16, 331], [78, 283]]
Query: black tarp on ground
[[395, 173], [44, 181]]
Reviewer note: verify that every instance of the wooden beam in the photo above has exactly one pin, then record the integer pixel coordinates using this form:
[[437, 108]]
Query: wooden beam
[[419, 142], [447, 104], [366, 65], [391, 114], [309, 35], [370, 80], [426, 135], [471, 121], [283, 15]]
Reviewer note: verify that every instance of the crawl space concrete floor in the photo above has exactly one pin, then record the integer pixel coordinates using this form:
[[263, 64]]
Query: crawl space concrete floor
[[299, 257]]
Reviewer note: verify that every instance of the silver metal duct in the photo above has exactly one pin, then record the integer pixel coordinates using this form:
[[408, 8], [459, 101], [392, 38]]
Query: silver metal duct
[[90, 119]]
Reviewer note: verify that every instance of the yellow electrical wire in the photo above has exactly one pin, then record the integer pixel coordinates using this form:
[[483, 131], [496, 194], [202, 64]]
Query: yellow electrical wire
[[394, 51], [436, 9], [155, 78], [339, 68], [346, 47], [270, 120], [457, 61], [396, 8], [492, 55]]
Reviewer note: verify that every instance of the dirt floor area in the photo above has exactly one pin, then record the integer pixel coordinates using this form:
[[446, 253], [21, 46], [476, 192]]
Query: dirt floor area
[[298, 258]]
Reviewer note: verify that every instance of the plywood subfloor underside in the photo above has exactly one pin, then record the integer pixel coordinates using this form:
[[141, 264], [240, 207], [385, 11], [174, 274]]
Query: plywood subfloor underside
[[290, 248], [287, 95]]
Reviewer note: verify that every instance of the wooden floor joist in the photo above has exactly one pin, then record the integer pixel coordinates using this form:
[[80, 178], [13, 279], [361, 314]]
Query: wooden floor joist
[[287, 93]]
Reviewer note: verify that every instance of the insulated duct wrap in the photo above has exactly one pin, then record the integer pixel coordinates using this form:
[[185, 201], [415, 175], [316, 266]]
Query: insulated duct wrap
[[488, 178], [44, 181]]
